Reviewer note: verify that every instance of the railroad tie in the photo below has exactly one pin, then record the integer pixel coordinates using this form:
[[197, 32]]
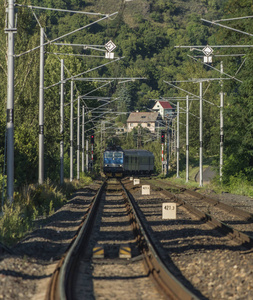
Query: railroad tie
[[125, 251]]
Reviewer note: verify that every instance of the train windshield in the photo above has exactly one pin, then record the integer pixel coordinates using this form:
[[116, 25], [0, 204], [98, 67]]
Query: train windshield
[[113, 154], [108, 155]]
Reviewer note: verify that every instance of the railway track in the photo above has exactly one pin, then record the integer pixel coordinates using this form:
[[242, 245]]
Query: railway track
[[108, 259], [212, 261], [199, 261], [229, 219]]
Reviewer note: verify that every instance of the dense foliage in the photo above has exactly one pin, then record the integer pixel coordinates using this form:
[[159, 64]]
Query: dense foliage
[[146, 33]]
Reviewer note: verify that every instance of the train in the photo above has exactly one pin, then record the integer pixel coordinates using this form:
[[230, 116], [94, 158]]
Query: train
[[119, 163]]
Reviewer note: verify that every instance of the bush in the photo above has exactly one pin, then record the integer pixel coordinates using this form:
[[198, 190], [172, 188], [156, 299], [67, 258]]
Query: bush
[[32, 202], [13, 225]]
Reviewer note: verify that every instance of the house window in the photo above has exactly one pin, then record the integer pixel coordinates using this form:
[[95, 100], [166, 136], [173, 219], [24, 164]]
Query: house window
[[149, 124], [143, 117]]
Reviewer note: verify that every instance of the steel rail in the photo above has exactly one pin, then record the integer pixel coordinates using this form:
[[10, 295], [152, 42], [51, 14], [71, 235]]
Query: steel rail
[[168, 284], [61, 283], [244, 239], [62, 279], [226, 207]]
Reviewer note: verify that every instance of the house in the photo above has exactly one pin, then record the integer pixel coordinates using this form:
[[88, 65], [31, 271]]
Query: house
[[149, 120], [164, 108]]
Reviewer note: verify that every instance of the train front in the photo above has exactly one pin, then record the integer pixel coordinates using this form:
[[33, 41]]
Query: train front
[[113, 163]]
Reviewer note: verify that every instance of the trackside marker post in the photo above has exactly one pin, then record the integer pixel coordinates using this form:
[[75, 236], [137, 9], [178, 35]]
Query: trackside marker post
[[136, 181], [145, 190], [169, 211]]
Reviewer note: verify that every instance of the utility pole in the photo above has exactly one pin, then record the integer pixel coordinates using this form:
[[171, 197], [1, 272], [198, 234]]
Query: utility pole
[[62, 124], [11, 30], [41, 110]]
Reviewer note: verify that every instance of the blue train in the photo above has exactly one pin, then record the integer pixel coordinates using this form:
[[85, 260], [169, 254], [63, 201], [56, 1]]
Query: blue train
[[119, 162]]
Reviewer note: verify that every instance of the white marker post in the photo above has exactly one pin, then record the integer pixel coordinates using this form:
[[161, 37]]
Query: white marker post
[[136, 181], [169, 211], [145, 190]]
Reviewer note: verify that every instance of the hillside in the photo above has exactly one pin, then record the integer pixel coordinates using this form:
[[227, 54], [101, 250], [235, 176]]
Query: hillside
[[146, 33], [135, 10]]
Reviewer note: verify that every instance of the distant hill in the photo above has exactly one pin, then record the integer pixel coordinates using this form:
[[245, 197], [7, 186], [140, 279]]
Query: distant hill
[[131, 11]]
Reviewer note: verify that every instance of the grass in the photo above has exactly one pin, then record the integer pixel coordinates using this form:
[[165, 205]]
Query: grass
[[31, 203], [237, 184]]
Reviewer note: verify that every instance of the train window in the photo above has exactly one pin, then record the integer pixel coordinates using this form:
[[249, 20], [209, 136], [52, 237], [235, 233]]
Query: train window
[[118, 154], [108, 155]]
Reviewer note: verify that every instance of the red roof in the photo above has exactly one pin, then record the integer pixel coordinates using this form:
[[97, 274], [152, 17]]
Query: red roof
[[165, 104]]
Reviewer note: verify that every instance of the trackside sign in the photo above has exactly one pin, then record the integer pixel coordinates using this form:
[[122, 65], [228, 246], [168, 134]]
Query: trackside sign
[[169, 211]]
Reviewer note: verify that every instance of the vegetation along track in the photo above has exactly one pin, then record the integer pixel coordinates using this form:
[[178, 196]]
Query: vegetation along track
[[106, 258]]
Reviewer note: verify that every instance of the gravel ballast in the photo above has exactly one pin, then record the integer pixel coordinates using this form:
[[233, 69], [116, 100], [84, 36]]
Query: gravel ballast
[[26, 273], [218, 271]]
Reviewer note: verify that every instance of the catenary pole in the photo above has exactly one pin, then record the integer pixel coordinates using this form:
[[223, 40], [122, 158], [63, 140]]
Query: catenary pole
[[187, 138], [71, 129], [83, 116], [78, 138], [200, 134], [168, 146], [41, 110], [11, 30], [178, 139], [62, 124], [87, 155], [221, 124]]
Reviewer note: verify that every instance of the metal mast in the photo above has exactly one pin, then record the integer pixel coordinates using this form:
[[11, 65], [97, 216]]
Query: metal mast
[[71, 130], [187, 138], [62, 124], [221, 124], [178, 139], [10, 101], [41, 110], [78, 138], [200, 134], [83, 116]]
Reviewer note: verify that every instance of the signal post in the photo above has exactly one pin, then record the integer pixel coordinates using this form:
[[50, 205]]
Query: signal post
[[92, 150], [162, 142]]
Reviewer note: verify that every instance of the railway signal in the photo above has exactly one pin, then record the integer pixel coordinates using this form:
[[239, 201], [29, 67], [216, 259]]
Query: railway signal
[[92, 139], [162, 137]]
